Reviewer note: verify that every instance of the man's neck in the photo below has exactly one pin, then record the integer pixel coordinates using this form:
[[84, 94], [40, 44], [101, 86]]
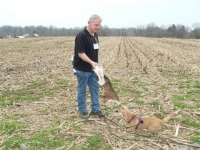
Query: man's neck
[[89, 31]]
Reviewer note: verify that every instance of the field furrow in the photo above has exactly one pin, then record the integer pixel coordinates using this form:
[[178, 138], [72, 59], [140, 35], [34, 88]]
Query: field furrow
[[152, 77]]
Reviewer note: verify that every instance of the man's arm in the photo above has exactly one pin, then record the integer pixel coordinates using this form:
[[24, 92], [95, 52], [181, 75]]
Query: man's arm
[[85, 58]]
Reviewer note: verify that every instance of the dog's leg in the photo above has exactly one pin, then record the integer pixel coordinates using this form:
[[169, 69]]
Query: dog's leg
[[153, 129], [131, 129]]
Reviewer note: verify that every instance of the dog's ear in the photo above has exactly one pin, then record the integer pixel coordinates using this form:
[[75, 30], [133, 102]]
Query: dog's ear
[[125, 116], [124, 112]]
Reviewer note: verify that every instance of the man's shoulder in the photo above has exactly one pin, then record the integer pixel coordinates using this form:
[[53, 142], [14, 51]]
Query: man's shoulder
[[81, 33]]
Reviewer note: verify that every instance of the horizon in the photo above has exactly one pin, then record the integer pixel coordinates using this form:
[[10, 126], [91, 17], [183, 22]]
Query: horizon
[[162, 26]]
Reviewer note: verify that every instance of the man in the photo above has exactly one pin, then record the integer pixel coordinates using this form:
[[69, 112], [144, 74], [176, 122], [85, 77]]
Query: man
[[85, 59]]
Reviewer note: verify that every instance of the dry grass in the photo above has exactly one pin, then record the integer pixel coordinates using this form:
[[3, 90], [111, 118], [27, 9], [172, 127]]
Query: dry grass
[[153, 77]]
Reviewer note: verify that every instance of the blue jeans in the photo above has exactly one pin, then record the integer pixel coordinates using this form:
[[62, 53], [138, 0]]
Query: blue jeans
[[84, 79]]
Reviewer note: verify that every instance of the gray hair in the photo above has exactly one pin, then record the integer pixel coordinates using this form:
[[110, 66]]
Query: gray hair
[[93, 17]]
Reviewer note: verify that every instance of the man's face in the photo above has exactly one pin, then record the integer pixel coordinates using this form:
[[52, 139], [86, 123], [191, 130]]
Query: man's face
[[95, 25]]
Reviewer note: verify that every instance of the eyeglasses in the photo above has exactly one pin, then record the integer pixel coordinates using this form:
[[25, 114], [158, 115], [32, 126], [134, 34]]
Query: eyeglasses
[[94, 40]]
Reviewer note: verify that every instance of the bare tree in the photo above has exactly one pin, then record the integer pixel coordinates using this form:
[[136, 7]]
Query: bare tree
[[151, 30]]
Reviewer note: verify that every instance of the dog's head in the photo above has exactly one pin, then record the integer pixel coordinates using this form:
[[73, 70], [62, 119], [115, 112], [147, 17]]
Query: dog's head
[[124, 111], [122, 108]]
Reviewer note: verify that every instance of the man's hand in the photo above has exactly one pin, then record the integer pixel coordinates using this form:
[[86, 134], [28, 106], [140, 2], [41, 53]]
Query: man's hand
[[94, 64]]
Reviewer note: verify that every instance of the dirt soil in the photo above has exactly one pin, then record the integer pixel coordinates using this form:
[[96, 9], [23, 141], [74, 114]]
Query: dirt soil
[[143, 71]]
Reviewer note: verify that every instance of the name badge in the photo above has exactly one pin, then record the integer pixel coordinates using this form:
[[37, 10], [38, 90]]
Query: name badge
[[96, 46]]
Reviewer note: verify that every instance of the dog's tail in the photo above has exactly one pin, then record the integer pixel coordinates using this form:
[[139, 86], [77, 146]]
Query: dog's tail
[[168, 117]]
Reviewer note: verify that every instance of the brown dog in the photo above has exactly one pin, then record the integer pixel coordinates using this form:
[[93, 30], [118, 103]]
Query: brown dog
[[109, 93], [136, 122]]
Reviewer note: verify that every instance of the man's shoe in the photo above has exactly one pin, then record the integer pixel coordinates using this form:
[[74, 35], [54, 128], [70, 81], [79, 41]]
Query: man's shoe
[[84, 115], [99, 113]]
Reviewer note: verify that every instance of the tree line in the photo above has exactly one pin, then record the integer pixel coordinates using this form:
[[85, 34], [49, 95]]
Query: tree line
[[150, 30]]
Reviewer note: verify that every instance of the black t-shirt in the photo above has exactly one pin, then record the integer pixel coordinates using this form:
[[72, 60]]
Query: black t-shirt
[[84, 43]]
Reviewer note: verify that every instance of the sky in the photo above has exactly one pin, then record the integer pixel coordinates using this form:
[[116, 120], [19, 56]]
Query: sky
[[115, 13]]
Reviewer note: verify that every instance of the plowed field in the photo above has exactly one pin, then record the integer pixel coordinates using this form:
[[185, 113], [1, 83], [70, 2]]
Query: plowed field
[[152, 76]]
